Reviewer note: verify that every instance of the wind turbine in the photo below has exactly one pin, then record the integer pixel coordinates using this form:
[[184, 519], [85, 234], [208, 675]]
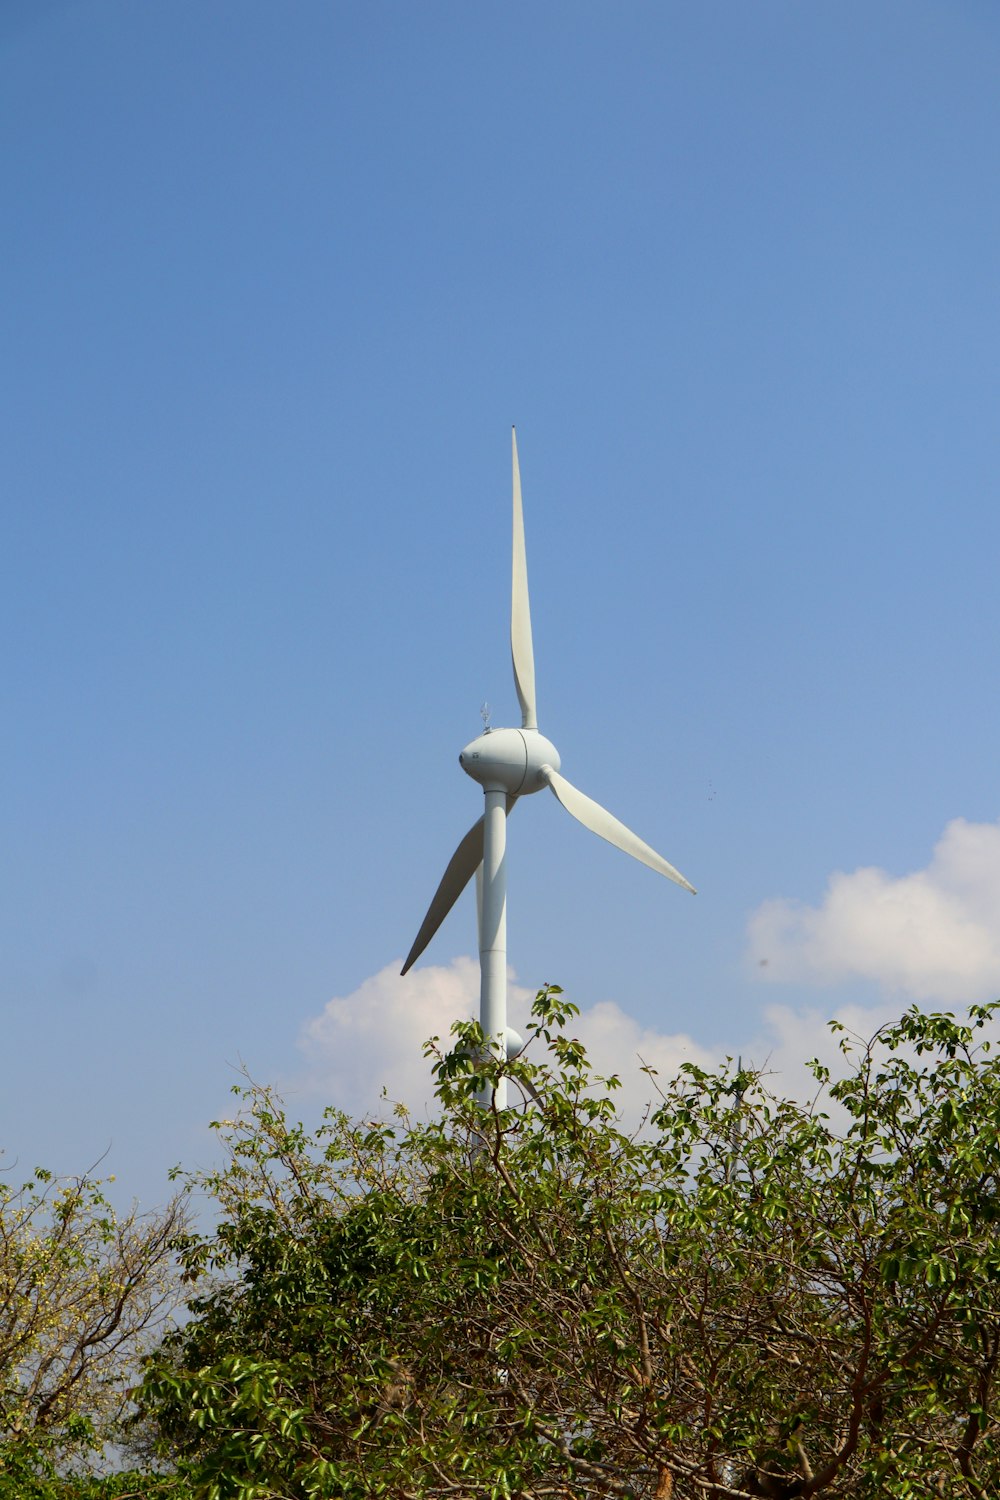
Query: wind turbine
[[509, 764]]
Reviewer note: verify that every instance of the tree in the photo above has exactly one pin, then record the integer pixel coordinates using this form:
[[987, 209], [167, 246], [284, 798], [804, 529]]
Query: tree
[[744, 1299], [84, 1293]]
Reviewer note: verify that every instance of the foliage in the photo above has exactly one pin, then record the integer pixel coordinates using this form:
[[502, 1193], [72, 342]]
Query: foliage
[[744, 1299], [33, 1476], [84, 1293]]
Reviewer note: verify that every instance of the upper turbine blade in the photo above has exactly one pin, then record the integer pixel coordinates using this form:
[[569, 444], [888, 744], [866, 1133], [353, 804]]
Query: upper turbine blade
[[593, 816], [520, 614], [461, 867]]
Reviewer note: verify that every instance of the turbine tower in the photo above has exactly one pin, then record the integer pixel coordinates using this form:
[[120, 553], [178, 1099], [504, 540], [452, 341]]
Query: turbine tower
[[509, 764]]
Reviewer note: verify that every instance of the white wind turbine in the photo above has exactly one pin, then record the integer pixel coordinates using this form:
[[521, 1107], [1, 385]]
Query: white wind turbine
[[508, 764]]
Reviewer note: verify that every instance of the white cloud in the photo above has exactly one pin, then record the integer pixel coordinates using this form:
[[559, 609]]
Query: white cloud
[[933, 935], [791, 1036], [617, 1043], [372, 1039]]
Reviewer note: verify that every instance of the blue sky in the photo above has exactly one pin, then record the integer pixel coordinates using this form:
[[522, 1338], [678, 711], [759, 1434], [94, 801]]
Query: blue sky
[[277, 280]]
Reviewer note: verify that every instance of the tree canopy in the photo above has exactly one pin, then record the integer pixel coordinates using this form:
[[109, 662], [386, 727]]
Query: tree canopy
[[747, 1297], [84, 1295]]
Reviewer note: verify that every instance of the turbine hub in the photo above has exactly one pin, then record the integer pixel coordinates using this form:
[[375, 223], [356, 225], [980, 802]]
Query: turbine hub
[[509, 760]]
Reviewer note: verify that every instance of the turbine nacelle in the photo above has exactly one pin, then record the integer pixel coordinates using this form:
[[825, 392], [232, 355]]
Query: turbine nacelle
[[510, 760]]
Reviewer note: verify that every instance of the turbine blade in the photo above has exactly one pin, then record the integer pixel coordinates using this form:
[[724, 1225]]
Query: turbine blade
[[521, 649], [595, 817], [461, 867]]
